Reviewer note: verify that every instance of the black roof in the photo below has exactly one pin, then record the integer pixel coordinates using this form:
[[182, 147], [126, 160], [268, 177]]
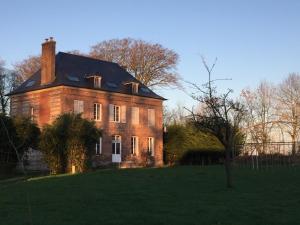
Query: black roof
[[73, 70]]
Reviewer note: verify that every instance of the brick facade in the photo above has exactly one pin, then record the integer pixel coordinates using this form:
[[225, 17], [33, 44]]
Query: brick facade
[[46, 104]]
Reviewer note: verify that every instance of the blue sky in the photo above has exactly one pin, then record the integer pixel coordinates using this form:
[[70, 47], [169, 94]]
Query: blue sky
[[253, 40]]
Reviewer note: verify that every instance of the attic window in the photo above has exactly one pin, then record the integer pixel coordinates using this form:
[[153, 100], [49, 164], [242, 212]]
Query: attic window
[[111, 84], [97, 82], [72, 78], [135, 88]]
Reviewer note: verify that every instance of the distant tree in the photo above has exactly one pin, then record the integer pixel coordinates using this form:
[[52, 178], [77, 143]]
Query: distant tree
[[28, 67], [8, 82], [288, 107], [70, 140], [220, 116], [152, 64], [176, 115], [260, 118]]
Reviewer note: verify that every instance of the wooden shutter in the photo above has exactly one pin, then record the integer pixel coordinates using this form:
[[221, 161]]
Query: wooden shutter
[[111, 112], [75, 106], [80, 106], [135, 115], [100, 112], [151, 117], [123, 113]]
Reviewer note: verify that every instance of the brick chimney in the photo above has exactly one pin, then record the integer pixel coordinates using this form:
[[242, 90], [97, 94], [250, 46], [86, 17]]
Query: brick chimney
[[48, 61]]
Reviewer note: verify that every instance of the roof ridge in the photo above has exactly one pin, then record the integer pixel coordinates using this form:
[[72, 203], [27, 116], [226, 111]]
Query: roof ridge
[[87, 57]]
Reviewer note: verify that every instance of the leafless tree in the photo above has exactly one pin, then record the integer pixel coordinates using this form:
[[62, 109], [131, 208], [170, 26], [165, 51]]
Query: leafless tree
[[177, 115], [220, 115], [288, 99], [8, 82], [260, 118], [152, 64], [27, 67]]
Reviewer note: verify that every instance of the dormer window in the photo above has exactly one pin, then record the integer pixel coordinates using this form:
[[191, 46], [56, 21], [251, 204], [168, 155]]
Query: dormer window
[[135, 88], [97, 82], [94, 79]]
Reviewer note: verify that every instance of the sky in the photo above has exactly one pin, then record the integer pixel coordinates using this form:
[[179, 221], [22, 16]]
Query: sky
[[253, 40]]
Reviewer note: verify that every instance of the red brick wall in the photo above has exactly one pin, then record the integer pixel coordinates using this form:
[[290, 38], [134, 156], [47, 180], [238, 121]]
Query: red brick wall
[[62, 99]]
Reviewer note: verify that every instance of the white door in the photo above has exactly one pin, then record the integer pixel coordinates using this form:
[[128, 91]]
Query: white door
[[116, 149]]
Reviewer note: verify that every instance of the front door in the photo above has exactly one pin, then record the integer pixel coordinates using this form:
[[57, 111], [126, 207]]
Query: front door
[[116, 149]]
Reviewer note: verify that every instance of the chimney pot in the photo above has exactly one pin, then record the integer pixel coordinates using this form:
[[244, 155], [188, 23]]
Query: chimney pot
[[46, 39]]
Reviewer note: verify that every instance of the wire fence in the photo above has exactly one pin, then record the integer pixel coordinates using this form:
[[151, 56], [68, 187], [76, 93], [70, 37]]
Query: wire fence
[[267, 155]]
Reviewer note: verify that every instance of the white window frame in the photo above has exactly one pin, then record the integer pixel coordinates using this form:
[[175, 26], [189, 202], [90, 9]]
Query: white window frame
[[99, 147], [116, 113], [151, 145], [97, 107], [97, 82], [134, 145], [78, 106]]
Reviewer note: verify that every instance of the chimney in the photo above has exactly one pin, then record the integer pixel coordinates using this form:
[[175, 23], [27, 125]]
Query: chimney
[[48, 61]]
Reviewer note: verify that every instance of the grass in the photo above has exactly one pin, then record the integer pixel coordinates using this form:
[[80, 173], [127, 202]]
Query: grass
[[180, 195]]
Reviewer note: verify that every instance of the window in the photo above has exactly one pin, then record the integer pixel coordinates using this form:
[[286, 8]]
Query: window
[[151, 145], [99, 147], [134, 145], [135, 88], [97, 82], [32, 114], [78, 106], [116, 144], [135, 111], [151, 117], [117, 113], [97, 111]]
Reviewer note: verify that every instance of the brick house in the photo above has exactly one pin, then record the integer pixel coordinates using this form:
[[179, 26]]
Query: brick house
[[128, 113]]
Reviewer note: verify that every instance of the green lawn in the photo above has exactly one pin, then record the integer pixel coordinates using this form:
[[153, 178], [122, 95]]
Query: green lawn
[[181, 195]]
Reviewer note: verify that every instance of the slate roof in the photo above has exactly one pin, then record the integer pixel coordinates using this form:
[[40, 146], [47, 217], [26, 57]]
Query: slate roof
[[72, 70]]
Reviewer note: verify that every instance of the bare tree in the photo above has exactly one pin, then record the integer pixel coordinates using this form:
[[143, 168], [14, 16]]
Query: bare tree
[[152, 64], [288, 98], [8, 82], [260, 118], [177, 115], [220, 115], [27, 67]]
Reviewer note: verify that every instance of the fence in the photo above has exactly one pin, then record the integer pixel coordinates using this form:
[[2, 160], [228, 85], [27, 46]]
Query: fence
[[267, 155]]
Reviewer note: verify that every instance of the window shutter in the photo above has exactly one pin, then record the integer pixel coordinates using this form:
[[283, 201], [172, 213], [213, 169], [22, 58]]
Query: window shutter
[[100, 112], [151, 117], [111, 112], [80, 106], [123, 113], [75, 106], [135, 115]]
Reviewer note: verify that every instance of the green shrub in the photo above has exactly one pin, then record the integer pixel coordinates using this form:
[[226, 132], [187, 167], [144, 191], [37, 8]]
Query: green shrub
[[68, 142], [185, 144]]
